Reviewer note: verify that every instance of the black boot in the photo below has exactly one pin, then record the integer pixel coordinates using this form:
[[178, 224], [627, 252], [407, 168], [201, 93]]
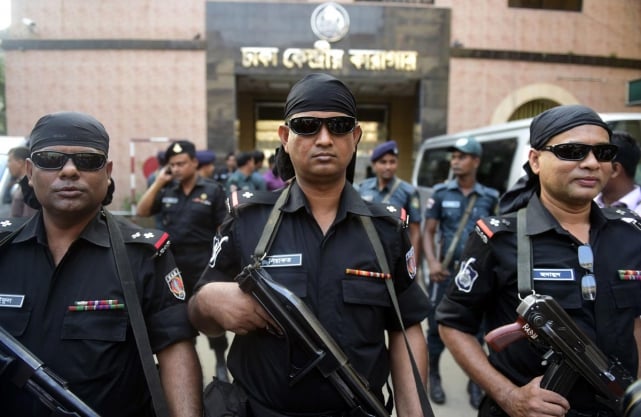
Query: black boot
[[436, 389], [476, 394]]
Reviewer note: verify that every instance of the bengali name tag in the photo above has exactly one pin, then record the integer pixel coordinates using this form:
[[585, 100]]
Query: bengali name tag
[[274, 261], [11, 300], [553, 274]]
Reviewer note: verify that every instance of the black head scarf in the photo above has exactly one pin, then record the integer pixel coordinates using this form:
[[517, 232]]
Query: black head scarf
[[316, 92], [70, 129], [544, 127]]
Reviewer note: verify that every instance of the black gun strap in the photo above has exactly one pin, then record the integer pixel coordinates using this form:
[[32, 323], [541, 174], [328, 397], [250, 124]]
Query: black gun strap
[[273, 221], [523, 255], [135, 316], [382, 260]]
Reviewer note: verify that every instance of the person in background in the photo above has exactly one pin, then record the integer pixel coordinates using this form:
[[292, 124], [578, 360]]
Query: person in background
[[620, 190], [272, 180], [245, 177], [569, 162], [320, 235], [17, 165], [222, 174], [385, 187], [452, 210], [206, 167], [259, 160], [61, 260]]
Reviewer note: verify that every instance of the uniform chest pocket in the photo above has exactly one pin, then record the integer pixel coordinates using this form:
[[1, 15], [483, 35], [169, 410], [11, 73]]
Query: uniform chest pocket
[[626, 294], [95, 325], [566, 293], [15, 320], [365, 292], [295, 281]]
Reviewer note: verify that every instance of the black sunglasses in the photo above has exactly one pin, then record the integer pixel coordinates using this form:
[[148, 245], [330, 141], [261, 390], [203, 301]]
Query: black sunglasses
[[84, 161], [307, 126], [579, 151]]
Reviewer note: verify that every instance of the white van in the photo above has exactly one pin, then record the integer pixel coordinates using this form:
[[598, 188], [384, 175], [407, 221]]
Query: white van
[[505, 150], [6, 182]]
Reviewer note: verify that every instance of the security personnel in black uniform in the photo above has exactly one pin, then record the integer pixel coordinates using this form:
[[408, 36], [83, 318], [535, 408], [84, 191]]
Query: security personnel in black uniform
[[191, 207], [61, 293], [319, 237], [569, 163]]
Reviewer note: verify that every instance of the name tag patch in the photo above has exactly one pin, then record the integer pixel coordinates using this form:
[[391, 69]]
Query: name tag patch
[[553, 274], [11, 300], [451, 204], [274, 261]]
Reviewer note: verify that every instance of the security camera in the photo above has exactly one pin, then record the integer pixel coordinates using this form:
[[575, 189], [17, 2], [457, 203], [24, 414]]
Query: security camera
[[28, 23]]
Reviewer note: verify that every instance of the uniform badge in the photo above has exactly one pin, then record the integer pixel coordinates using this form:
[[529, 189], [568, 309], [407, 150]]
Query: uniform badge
[[217, 245], [177, 148], [410, 262], [175, 282], [430, 203], [466, 276], [629, 275]]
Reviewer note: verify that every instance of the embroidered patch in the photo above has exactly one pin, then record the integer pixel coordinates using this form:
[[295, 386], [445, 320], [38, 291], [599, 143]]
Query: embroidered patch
[[411, 262], [430, 203], [294, 259], [175, 282], [466, 276], [217, 245], [553, 274]]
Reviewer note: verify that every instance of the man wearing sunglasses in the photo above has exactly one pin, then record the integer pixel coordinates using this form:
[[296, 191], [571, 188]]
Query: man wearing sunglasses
[[63, 297], [319, 238], [586, 258]]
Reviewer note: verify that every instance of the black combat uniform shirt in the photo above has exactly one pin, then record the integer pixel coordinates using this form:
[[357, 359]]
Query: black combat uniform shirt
[[355, 310], [487, 283], [94, 351], [191, 221]]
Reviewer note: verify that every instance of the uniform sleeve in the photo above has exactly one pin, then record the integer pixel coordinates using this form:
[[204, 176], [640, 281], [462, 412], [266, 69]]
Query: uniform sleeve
[[223, 262], [164, 304], [414, 206], [466, 297], [412, 300], [433, 206]]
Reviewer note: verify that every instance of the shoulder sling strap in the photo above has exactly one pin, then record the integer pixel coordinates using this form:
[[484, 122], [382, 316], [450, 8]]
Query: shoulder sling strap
[[523, 256], [136, 317], [459, 230], [390, 193], [382, 260]]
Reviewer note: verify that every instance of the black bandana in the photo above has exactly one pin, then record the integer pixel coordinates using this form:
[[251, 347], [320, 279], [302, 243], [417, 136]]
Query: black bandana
[[320, 92], [544, 127], [71, 129]]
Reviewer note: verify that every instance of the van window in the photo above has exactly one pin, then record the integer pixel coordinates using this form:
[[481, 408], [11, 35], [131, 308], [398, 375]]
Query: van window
[[496, 163], [494, 170], [434, 168]]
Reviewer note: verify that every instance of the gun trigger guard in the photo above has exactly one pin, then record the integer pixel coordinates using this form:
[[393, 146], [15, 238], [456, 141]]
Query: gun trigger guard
[[523, 298]]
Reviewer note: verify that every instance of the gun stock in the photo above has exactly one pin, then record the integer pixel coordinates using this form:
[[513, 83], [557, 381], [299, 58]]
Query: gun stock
[[24, 370], [297, 321]]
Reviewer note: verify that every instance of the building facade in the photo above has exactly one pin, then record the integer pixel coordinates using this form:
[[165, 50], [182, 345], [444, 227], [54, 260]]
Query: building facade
[[217, 73]]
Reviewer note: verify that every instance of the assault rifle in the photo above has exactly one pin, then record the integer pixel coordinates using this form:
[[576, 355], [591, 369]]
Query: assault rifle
[[23, 369], [301, 325], [572, 353]]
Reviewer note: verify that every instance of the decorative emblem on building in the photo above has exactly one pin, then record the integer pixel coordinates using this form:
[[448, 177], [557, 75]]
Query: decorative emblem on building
[[330, 22]]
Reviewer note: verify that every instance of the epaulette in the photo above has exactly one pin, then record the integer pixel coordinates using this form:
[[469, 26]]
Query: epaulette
[[487, 227], [158, 239], [390, 212], [492, 192], [243, 198], [10, 225], [623, 214]]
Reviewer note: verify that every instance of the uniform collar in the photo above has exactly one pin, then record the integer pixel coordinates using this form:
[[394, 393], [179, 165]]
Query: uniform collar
[[453, 185], [350, 202], [95, 232], [540, 220]]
